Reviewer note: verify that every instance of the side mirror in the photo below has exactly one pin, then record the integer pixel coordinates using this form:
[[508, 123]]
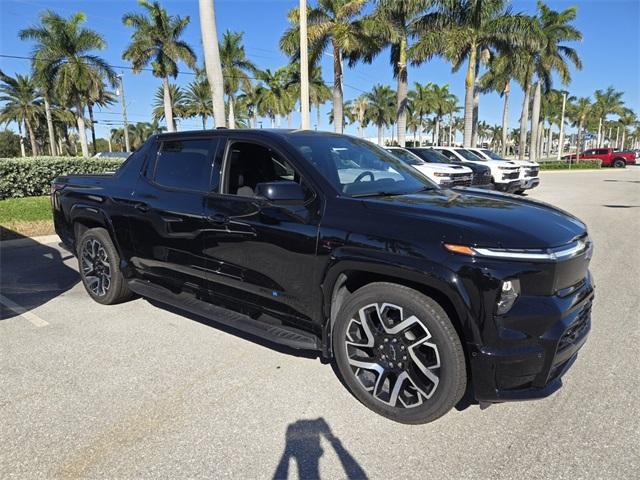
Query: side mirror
[[284, 191]]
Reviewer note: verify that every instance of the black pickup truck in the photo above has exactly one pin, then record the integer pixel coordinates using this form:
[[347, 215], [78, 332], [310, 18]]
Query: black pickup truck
[[327, 242]]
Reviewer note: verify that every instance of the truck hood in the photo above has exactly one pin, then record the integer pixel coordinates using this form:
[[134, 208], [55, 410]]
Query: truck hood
[[486, 219], [441, 167]]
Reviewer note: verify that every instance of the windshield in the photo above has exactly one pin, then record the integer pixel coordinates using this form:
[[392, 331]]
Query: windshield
[[467, 155], [358, 168], [406, 156], [432, 156], [491, 154]]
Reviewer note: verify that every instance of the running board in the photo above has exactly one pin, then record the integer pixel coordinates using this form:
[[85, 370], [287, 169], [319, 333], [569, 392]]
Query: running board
[[288, 336]]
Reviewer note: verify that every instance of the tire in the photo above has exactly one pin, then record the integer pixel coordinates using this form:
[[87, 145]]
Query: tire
[[416, 346], [619, 163], [97, 254], [519, 192]]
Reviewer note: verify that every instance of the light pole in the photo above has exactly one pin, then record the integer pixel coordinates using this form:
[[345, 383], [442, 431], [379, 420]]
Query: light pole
[[304, 67], [124, 113]]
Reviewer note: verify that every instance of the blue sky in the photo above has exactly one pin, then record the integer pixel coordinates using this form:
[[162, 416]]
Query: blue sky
[[610, 50]]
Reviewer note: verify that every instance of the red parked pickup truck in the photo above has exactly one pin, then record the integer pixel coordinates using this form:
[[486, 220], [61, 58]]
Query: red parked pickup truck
[[609, 157]]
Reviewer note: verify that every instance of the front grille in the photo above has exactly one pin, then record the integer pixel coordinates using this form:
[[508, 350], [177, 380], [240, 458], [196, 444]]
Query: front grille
[[575, 330], [481, 179], [511, 175], [531, 171], [461, 179]]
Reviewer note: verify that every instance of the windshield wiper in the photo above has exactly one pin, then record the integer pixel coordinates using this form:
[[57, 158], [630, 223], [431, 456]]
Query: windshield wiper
[[377, 194]]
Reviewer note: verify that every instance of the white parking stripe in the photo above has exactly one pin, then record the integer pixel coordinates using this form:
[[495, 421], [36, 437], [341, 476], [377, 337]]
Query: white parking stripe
[[32, 317]]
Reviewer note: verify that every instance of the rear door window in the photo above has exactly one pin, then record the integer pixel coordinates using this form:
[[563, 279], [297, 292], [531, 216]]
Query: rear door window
[[186, 164]]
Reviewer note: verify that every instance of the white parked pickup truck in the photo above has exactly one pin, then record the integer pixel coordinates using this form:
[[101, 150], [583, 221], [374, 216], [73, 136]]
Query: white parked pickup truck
[[529, 171], [505, 175], [445, 175]]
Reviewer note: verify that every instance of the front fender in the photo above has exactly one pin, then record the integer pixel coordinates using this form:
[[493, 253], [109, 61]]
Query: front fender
[[420, 271]]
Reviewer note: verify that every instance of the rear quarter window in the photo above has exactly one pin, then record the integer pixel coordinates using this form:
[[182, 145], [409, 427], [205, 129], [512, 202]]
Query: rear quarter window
[[186, 164]]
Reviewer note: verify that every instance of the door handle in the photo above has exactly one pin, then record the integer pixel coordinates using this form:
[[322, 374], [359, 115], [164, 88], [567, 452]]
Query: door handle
[[219, 219], [143, 207]]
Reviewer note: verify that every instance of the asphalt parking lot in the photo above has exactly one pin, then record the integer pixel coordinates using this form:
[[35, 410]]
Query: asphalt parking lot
[[137, 391]]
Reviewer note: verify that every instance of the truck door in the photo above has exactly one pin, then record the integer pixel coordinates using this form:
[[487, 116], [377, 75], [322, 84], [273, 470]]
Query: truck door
[[168, 218], [259, 252]]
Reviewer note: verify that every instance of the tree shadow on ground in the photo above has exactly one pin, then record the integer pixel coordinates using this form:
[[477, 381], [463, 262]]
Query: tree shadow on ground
[[303, 445], [32, 274]]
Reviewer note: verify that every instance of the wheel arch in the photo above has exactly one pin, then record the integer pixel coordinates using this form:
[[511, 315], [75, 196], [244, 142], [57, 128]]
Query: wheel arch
[[346, 277], [85, 217]]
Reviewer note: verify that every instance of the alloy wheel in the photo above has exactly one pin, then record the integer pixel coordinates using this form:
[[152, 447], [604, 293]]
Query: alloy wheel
[[394, 358], [96, 269]]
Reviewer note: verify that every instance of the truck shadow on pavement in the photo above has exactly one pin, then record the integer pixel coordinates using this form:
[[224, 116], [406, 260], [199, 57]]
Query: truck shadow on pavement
[[31, 274], [303, 445]]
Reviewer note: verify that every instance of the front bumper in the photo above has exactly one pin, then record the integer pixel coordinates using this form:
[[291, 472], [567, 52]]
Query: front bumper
[[529, 183], [537, 342], [509, 186]]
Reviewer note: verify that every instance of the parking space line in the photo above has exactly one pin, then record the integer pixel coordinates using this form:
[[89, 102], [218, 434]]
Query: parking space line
[[24, 313]]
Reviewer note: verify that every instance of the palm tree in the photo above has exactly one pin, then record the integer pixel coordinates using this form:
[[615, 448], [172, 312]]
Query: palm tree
[[65, 57], [177, 105], [156, 41], [249, 98], [332, 23], [555, 28], [442, 102], [607, 102], [578, 113], [22, 104], [626, 120], [421, 99], [97, 95], [236, 68], [359, 111], [198, 101], [381, 109], [396, 24], [274, 96], [209, 32], [471, 29]]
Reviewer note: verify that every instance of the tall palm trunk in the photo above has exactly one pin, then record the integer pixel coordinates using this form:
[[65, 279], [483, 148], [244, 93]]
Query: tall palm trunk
[[420, 127], [549, 140], [540, 142], [561, 134], [212, 64], [273, 121], [380, 135], [318, 116], [32, 137], [168, 108], [437, 132], [599, 141], [52, 134], [524, 116], [624, 133], [82, 129], [476, 105], [204, 121], [288, 119], [23, 151], [468, 97], [232, 113], [93, 128], [579, 139], [505, 117], [401, 118], [535, 120], [338, 118]]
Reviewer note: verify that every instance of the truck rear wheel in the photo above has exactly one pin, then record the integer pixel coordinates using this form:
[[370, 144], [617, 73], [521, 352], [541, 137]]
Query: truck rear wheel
[[619, 163], [99, 267], [399, 354]]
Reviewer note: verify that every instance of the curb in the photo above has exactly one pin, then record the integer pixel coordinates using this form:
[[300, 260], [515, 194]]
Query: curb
[[29, 241], [585, 170]]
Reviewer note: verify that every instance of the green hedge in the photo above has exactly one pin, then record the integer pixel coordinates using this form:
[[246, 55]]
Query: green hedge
[[563, 165], [26, 177]]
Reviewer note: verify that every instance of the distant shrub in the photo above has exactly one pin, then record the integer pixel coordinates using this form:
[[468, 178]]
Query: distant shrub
[[579, 165], [26, 177]]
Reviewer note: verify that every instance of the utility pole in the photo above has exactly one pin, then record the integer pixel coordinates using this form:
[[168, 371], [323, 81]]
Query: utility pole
[[124, 114], [304, 68], [561, 137]]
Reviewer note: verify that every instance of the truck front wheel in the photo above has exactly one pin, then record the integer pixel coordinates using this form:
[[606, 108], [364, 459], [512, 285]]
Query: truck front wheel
[[398, 353], [98, 263]]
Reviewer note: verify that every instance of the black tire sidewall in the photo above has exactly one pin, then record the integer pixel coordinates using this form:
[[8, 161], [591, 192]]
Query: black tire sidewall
[[113, 294], [452, 373]]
